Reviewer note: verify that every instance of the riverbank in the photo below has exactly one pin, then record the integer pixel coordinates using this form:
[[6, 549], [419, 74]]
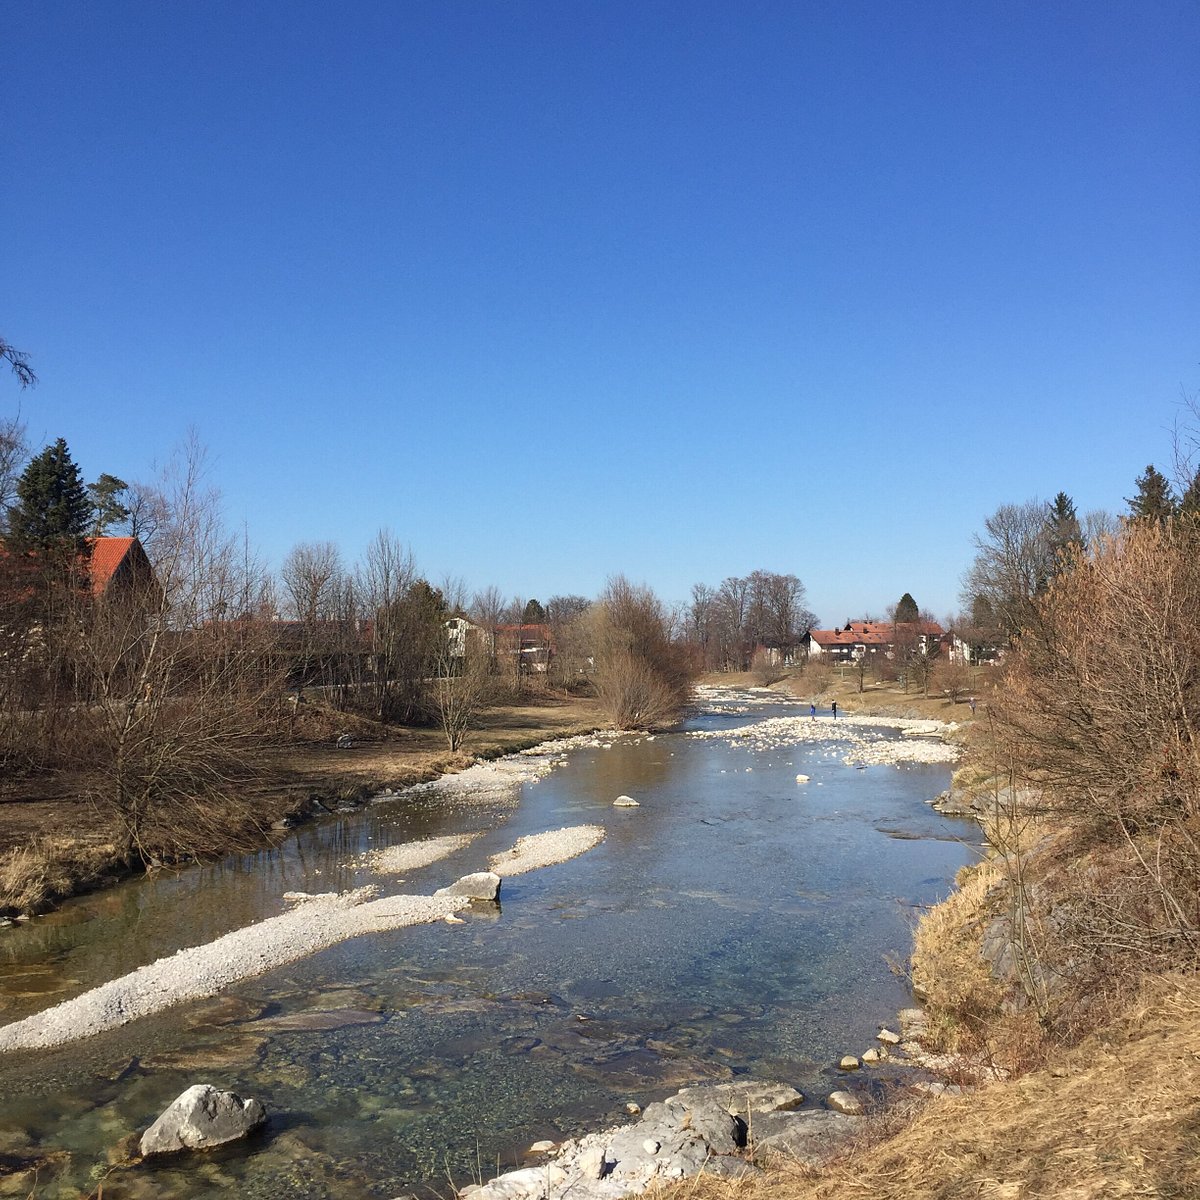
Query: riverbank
[[41, 865]]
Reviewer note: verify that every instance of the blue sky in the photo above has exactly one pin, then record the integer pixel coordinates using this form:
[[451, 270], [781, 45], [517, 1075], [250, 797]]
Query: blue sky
[[555, 290]]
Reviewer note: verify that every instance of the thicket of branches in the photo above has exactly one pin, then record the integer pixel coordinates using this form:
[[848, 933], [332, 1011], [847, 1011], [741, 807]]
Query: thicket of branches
[[642, 676], [1093, 749], [729, 623]]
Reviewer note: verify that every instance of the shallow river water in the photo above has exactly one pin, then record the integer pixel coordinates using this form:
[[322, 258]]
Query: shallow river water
[[736, 923]]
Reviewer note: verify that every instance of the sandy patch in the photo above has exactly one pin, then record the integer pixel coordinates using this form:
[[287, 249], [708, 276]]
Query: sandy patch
[[546, 849]]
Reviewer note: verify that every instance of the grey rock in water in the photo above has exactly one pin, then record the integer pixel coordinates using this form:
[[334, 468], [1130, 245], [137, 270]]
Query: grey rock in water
[[483, 885], [749, 1097], [625, 802], [200, 1118]]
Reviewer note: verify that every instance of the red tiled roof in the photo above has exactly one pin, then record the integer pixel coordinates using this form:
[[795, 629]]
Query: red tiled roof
[[108, 553], [871, 633]]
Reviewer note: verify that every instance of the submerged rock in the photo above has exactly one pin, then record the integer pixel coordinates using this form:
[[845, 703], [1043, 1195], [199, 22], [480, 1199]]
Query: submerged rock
[[200, 1118]]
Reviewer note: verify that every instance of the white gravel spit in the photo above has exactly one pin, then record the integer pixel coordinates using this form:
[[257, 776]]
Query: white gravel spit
[[862, 736], [410, 856], [546, 849], [201, 971], [502, 778]]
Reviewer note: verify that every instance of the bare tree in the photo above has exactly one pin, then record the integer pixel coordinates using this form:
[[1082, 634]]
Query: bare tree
[[312, 574], [384, 579], [19, 362], [1013, 565], [462, 687]]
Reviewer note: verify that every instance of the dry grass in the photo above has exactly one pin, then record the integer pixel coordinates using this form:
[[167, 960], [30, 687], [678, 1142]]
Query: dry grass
[[1118, 1116], [51, 867], [963, 998]]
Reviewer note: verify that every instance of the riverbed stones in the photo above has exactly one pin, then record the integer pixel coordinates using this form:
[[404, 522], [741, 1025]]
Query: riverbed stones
[[200, 1118], [888, 1038], [625, 802], [482, 885], [848, 1063], [876, 1054], [691, 1132]]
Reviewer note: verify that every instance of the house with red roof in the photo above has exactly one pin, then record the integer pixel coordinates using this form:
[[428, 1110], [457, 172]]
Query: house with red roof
[[117, 564], [859, 639]]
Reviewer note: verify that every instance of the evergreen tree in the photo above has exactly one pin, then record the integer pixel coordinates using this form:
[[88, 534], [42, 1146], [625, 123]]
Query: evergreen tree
[[907, 610], [534, 614], [107, 507], [1189, 502], [1155, 501], [52, 509], [1062, 528]]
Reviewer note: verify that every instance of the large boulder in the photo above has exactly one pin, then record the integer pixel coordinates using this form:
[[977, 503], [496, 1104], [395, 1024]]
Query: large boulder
[[200, 1118]]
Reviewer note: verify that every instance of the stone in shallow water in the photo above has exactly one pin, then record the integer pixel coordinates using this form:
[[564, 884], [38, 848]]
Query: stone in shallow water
[[202, 1117], [482, 885], [848, 1063], [625, 802]]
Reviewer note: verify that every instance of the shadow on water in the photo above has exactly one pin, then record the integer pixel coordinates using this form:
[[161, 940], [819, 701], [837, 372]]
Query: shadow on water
[[732, 924]]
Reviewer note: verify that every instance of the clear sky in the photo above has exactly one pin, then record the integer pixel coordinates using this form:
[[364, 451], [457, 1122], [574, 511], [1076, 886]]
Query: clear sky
[[560, 289]]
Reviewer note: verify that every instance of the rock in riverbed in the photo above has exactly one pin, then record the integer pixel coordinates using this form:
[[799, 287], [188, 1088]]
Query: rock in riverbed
[[697, 1129], [483, 885], [200, 1118]]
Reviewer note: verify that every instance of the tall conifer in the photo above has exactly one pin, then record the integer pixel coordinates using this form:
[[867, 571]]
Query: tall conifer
[[52, 509]]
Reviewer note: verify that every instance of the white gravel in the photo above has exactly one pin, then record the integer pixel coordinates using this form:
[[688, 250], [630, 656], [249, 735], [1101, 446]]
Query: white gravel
[[862, 737], [201, 971], [501, 778], [546, 849], [314, 923], [411, 856]]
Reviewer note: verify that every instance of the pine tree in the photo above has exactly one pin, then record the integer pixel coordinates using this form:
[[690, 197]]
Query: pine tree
[[1155, 501], [1062, 528], [52, 509], [107, 508], [534, 613], [907, 610]]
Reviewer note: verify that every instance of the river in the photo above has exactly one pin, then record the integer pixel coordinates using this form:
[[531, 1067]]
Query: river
[[736, 923]]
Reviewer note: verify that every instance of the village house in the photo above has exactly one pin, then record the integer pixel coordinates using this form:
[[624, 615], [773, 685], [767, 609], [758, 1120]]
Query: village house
[[868, 639]]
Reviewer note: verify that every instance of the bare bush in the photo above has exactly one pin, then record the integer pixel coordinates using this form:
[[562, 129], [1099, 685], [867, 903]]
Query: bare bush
[[642, 678], [1099, 717], [767, 668]]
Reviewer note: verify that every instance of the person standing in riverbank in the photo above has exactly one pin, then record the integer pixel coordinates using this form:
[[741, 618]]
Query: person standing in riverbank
[[812, 710], [835, 710]]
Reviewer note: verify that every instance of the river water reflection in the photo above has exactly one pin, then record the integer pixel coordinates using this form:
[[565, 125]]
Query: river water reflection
[[735, 923]]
